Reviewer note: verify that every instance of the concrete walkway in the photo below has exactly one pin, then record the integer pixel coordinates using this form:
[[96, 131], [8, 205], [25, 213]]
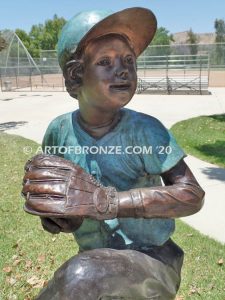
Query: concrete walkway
[[211, 219], [28, 115]]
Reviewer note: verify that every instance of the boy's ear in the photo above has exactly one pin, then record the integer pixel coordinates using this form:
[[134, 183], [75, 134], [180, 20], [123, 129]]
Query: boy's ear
[[73, 73]]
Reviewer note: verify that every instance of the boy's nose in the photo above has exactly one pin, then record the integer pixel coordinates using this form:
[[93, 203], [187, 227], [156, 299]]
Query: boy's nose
[[121, 70], [121, 73]]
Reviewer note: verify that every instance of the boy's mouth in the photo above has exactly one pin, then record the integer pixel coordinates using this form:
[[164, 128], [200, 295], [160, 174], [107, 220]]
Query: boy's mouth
[[120, 86]]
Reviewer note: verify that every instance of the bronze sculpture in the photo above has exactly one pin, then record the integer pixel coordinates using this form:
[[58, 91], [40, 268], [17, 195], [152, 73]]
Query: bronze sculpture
[[123, 205]]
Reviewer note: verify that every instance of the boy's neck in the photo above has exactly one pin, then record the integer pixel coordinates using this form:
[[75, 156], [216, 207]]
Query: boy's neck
[[99, 127]]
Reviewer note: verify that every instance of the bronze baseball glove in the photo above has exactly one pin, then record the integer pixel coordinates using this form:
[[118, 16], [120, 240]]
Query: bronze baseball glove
[[56, 187]]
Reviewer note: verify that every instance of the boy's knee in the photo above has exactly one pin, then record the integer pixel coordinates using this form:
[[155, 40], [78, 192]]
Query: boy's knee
[[73, 280], [78, 268], [92, 266]]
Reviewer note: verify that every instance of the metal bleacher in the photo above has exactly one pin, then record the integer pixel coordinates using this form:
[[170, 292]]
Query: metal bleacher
[[173, 74]]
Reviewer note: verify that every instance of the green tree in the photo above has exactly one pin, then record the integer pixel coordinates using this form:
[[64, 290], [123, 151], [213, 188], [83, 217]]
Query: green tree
[[36, 37], [24, 37], [3, 43], [45, 36], [52, 29], [162, 38], [192, 39], [219, 26], [42, 36]]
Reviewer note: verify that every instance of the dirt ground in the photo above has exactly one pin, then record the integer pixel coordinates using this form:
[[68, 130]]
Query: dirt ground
[[55, 82]]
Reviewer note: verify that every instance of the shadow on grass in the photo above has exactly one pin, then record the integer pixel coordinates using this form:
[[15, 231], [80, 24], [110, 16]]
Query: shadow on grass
[[216, 150], [214, 173], [11, 125], [220, 118]]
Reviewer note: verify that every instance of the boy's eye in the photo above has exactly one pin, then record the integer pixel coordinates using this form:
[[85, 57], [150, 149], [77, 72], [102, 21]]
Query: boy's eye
[[129, 60], [104, 61]]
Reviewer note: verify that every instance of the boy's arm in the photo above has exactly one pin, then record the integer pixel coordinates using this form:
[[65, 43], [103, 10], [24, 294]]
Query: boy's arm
[[182, 196], [55, 187]]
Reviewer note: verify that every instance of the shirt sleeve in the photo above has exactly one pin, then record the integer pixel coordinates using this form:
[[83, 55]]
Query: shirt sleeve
[[163, 151]]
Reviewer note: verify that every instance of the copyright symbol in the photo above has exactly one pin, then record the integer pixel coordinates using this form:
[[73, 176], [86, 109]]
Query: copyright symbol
[[27, 150]]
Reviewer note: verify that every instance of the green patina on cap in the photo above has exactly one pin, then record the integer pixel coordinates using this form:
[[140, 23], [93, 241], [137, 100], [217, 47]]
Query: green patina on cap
[[137, 24], [74, 30]]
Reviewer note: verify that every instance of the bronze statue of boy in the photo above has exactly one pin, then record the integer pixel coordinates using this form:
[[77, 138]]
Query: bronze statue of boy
[[114, 203]]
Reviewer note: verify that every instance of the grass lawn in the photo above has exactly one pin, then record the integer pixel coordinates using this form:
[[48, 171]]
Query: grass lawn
[[29, 255], [203, 137]]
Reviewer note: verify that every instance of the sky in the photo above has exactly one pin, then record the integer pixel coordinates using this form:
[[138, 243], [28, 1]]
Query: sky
[[174, 15]]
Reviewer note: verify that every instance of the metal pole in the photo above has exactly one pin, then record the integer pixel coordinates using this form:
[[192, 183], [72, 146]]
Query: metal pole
[[144, 64], [167, 77], [1, 81], [200, 79], [16, 79], [18, 58], [30, 80], [62, 83], [208, 69]]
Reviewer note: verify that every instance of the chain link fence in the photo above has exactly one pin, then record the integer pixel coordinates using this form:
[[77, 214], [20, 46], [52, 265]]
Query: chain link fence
[[199, 64]]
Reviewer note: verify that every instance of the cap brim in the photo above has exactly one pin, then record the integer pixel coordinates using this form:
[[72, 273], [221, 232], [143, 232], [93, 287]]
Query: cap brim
[[137, 23]]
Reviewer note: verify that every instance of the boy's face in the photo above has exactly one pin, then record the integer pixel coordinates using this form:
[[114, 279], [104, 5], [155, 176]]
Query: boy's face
[[109, 79]]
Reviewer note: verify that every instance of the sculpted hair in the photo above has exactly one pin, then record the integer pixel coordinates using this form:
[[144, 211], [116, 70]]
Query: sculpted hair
[[72, 72]]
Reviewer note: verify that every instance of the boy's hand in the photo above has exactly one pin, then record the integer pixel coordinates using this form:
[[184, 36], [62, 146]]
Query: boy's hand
[[57, 188], [57, 225]]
